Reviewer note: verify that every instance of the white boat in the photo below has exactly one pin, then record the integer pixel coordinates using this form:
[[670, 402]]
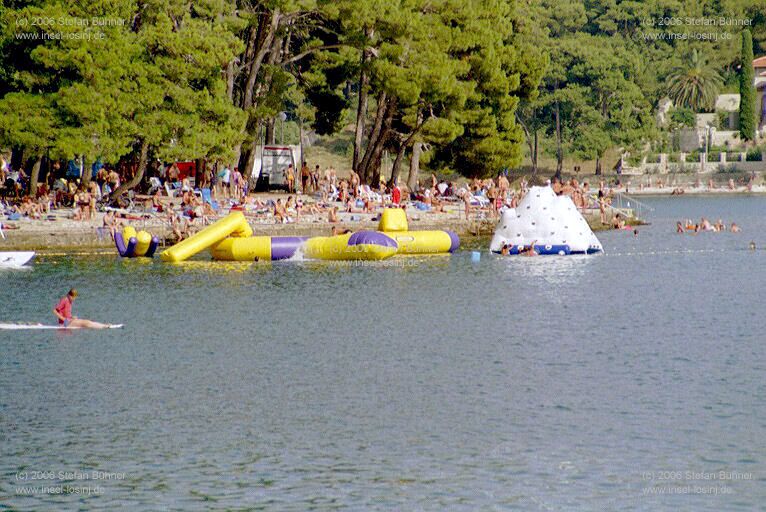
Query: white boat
[[15, 259]]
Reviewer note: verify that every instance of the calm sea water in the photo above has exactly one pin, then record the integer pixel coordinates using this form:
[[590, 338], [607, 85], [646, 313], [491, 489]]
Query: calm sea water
[[627, 381]]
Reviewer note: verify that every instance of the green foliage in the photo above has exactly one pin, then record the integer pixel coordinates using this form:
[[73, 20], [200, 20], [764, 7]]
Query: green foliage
[[755, 155], [695, 84], [747, 120], [471, 78], [694, 156], [682, 117], [158, 82]]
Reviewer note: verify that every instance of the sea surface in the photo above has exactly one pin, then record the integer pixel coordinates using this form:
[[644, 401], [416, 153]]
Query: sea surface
[[635, 380]]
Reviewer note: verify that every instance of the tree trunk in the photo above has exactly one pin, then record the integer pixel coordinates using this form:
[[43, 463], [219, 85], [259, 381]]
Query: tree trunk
[[34, 176], [300, 139], [598, 166], [412, 179], [530, 142], [559, 151], [17, 157], [230, 80], [142, 161], [199, 170], [395, 168], [535, 154], [375, 138], [373, 173], [247, 157], [247, 160], [269, 138], [402, 148], [86, 173], [361, 113], [255, 67]]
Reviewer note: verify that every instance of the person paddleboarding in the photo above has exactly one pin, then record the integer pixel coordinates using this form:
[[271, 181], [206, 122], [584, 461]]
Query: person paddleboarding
[[63, 312]]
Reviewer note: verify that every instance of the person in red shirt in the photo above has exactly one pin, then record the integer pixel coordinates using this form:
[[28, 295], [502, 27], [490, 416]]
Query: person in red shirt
[[63, 312], [396, 194]]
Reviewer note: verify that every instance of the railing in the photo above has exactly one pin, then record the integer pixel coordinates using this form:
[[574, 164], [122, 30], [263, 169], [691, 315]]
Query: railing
[[625, 202], [624, 205]]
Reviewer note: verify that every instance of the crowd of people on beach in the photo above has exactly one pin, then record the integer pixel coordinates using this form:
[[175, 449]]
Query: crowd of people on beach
[[187, 201]]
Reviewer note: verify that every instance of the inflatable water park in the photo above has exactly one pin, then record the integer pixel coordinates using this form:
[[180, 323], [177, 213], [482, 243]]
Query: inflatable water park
[[550, 224], [231, 239], [543, 222]]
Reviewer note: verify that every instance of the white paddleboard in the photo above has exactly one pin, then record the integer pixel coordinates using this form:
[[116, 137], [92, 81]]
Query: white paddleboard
[[14, 259], [19, 327]]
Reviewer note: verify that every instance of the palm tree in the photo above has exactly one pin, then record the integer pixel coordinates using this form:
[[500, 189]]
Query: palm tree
[[694, 84]]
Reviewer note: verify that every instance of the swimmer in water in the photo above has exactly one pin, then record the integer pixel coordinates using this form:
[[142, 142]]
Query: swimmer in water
[[528, 250], [720, 226], [679, 227], [506, 250], [734, 228], [63, 312]]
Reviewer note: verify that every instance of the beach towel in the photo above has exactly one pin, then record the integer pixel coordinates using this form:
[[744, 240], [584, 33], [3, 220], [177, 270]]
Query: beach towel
[[208, 198]]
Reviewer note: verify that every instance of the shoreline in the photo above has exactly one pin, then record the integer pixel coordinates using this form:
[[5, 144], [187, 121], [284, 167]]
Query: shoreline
[[757, 190], [67, 235]]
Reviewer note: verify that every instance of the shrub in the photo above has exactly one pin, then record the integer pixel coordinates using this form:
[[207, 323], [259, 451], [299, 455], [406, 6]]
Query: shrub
[[683, 117], [754, 155]]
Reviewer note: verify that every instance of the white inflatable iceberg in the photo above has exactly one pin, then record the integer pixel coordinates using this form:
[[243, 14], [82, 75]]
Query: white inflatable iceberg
[[550, 222]]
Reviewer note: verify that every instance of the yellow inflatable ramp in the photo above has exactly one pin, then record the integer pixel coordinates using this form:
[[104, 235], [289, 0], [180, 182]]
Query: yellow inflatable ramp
[[233, 224]]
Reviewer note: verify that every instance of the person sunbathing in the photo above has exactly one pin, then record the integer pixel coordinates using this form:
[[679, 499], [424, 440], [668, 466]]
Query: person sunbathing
[[333, 215], [281, 213]]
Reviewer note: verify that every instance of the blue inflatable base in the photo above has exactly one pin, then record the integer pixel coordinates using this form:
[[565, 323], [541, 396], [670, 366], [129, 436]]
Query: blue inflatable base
[[552, 250]]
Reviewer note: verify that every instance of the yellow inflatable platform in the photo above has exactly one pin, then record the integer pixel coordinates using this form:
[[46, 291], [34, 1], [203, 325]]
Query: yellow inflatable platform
[[393, 223], [362, 245], [231, 239]]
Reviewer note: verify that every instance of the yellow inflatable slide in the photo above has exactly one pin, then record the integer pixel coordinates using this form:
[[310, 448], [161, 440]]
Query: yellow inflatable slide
[[234, 225]]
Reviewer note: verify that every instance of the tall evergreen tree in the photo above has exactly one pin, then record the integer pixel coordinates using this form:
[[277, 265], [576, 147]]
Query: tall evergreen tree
[[747, 89]]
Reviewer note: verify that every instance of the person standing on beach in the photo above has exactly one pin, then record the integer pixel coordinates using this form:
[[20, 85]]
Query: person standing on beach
[[315, 179], [63, 312], [305, 178], [290, 175], [396, 194]]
